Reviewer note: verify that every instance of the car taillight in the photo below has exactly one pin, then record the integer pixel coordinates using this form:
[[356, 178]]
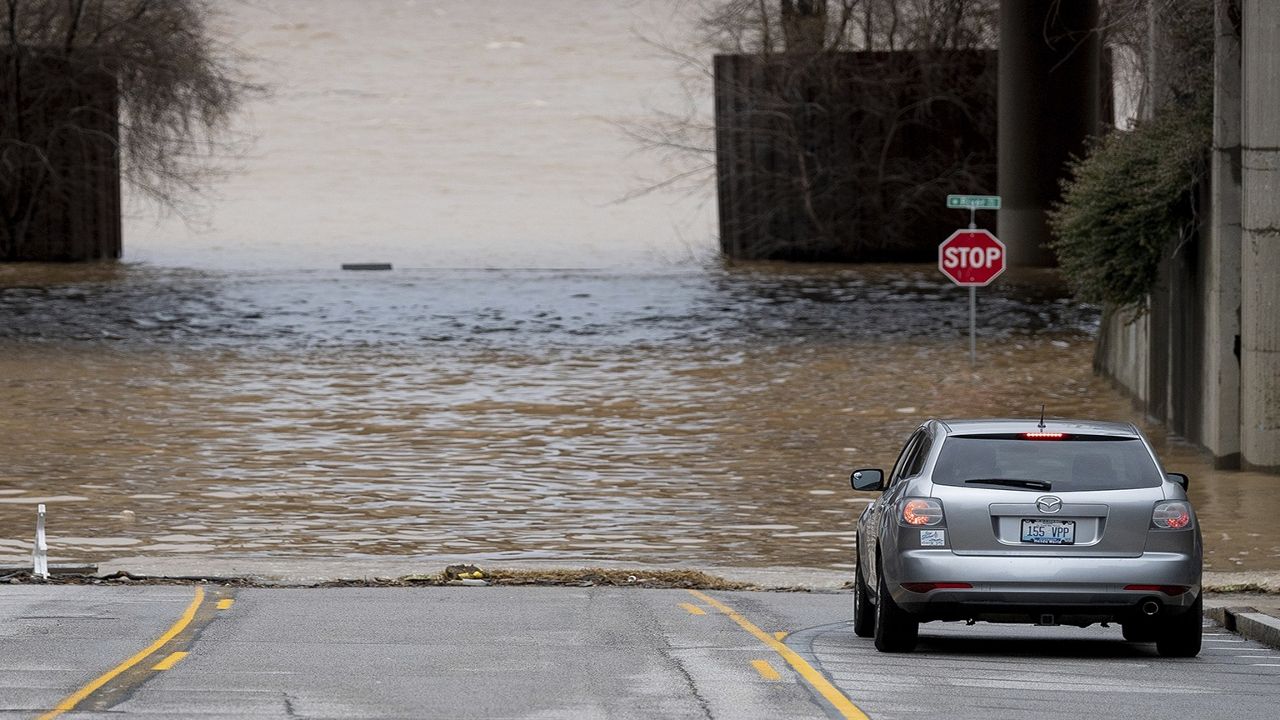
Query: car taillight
[[921, 511], [1043, 436], [1175, 515]]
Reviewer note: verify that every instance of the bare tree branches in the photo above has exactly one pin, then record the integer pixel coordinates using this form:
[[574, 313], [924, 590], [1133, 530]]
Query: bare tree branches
[[750, 26]]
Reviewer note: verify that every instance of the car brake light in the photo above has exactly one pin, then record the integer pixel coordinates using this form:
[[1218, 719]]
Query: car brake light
[[1043, 436], [921, 511], [1171, 590], [930, 586], [1174, 515]]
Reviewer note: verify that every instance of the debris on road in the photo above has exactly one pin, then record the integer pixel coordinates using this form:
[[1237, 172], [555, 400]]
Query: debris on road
[[452, 575], [463, 572]]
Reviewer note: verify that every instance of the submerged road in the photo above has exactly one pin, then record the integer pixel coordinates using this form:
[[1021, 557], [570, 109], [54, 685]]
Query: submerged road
[[495, 652]]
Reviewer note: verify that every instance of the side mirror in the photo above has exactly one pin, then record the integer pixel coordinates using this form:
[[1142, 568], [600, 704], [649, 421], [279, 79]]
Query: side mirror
[[1179, 478], [867, 480]]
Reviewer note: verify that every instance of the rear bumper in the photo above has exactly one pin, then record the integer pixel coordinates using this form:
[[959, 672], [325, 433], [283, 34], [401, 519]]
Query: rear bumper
[[1026, 589]]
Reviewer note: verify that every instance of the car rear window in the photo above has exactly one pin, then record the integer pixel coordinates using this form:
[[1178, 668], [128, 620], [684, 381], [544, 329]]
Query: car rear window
[[1076, 462]]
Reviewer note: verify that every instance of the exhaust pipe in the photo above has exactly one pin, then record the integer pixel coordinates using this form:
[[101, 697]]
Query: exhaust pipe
[[1150, 608]]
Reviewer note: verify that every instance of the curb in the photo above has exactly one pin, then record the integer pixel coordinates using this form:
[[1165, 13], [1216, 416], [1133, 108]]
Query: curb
[[1248, 623]]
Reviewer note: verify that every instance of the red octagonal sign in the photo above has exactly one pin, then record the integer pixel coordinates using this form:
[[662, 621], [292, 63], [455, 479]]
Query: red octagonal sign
[[971, 258]]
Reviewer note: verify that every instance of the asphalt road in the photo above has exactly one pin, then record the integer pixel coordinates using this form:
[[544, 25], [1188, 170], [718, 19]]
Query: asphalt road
[[493, 652]]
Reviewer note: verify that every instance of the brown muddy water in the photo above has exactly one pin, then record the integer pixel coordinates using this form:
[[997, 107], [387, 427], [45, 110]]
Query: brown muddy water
[[700, 417]]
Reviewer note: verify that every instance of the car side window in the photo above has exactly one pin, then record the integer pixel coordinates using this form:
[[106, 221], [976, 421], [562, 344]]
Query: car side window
[[908, 452], [916, 463]]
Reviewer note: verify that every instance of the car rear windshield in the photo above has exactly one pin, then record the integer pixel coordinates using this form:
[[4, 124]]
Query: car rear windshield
[[1076, 462]]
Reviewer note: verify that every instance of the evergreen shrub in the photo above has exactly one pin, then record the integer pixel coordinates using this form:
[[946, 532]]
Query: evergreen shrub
[[1124, 203]]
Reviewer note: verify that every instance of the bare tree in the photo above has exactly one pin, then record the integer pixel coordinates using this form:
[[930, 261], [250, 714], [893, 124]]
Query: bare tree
[[94, 85]]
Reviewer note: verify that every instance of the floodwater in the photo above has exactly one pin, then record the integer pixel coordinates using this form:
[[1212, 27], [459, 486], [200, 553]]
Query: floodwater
[[546, 375], [702, 417]]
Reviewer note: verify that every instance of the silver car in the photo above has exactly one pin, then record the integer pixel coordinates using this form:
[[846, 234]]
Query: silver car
[[1051, 523]]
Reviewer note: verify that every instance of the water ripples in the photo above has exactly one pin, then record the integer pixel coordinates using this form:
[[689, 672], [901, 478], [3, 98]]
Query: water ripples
[[697, 418]]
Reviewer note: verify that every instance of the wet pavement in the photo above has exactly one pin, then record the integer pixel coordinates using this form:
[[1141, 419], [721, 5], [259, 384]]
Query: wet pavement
[[698, 418], [990, 670], [460, 652]]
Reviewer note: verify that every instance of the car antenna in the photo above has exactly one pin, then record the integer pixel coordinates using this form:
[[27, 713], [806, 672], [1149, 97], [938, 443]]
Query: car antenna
[[1041, 416]]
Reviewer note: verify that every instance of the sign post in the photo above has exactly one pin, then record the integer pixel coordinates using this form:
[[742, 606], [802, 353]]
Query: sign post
[[972, 258]]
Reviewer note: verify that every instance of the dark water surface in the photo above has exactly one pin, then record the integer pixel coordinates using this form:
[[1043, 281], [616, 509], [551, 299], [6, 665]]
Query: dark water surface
[[707, 416]]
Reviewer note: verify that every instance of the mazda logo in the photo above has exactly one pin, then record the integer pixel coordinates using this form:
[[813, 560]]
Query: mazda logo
[[1049, 504]]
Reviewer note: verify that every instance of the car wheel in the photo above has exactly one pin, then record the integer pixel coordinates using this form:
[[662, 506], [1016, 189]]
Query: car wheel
[[896, 631], [1179, 636], [864, 613], [1139, 631]]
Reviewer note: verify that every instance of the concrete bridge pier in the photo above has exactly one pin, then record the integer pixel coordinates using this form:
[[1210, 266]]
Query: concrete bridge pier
[[1220, 258], [1260, 262], [1050, 103]]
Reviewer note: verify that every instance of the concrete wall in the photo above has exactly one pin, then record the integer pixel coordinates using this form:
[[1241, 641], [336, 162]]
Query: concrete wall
[[1220, 269], [849, 156], [1122, 353], [1205, 357], [1260, 258], [60, 182]]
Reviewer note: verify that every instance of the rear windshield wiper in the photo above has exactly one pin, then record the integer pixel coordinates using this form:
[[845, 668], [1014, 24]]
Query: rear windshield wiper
[[1042, 485]]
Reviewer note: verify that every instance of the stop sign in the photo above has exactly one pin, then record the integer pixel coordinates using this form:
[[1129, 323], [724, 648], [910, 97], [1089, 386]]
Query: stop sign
[[971, 258]]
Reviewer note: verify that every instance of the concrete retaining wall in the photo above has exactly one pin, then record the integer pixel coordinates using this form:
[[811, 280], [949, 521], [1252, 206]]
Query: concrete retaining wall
[[1205, 356], [60, 137]]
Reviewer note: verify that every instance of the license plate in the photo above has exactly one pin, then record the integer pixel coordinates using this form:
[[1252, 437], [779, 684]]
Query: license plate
[[1060, 532]]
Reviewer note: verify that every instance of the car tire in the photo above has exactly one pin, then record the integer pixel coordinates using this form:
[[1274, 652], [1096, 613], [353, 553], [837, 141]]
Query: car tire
[[1180, 635], [864, 613], [896, 631], [1139, 631]]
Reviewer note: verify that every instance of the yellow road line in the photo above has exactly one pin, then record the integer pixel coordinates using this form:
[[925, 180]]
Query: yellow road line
[[816, 679], [225, 603], [84, 692], [693, 609], [780, 635], [173, 659], [765, 669]]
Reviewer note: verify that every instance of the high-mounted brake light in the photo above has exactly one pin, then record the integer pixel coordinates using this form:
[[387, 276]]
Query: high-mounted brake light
[[921, 511], [1043, 436], [1174, 515]]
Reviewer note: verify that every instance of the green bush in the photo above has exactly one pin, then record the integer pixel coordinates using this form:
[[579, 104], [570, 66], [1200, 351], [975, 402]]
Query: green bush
[[1125, 202]]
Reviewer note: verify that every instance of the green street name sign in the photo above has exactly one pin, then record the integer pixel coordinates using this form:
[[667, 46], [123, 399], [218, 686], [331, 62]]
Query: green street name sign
[[976, 202]]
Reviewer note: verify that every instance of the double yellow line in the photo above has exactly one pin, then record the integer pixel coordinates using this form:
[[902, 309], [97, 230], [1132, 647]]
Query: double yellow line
[[79, 696], [816, 680]]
